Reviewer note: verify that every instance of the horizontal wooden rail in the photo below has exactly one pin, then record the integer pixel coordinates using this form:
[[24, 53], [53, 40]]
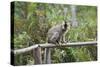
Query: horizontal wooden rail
[[48, 45], [18, 51]]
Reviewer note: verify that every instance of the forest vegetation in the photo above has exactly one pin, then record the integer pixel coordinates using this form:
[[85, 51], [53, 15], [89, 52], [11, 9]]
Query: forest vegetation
[[33, 20]]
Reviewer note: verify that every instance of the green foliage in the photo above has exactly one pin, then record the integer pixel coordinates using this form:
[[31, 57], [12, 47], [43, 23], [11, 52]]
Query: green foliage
[[21, 40], [62, 55], [32, 21]]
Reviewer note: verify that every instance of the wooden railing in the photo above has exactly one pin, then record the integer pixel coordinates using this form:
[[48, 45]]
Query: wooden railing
[[37, 50]]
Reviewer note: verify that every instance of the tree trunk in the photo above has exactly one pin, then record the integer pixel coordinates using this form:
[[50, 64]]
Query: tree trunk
[[74, 20]]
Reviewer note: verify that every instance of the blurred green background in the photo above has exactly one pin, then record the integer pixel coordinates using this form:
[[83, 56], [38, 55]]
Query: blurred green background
[[33, 20]]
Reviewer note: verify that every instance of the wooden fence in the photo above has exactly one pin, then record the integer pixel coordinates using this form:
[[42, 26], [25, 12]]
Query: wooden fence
[[37, 50]]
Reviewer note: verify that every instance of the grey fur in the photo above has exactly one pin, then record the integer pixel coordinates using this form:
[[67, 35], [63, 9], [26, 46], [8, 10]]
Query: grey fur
[[56, 33]]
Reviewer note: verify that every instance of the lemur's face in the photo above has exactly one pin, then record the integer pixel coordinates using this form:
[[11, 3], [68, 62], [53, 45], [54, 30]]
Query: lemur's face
[[64, 26]]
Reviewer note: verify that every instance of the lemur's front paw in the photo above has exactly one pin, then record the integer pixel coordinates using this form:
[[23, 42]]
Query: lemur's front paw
[[64, 41]]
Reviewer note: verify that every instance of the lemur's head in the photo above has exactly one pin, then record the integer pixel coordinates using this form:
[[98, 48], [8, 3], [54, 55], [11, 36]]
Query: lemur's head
[[64, 25]]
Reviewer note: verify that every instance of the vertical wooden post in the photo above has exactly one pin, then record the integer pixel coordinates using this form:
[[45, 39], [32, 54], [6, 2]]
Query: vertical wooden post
[[47, 56], [37, 55]]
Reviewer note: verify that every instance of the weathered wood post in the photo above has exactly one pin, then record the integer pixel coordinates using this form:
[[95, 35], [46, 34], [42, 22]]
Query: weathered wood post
[[47, 56], [37, 55]]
